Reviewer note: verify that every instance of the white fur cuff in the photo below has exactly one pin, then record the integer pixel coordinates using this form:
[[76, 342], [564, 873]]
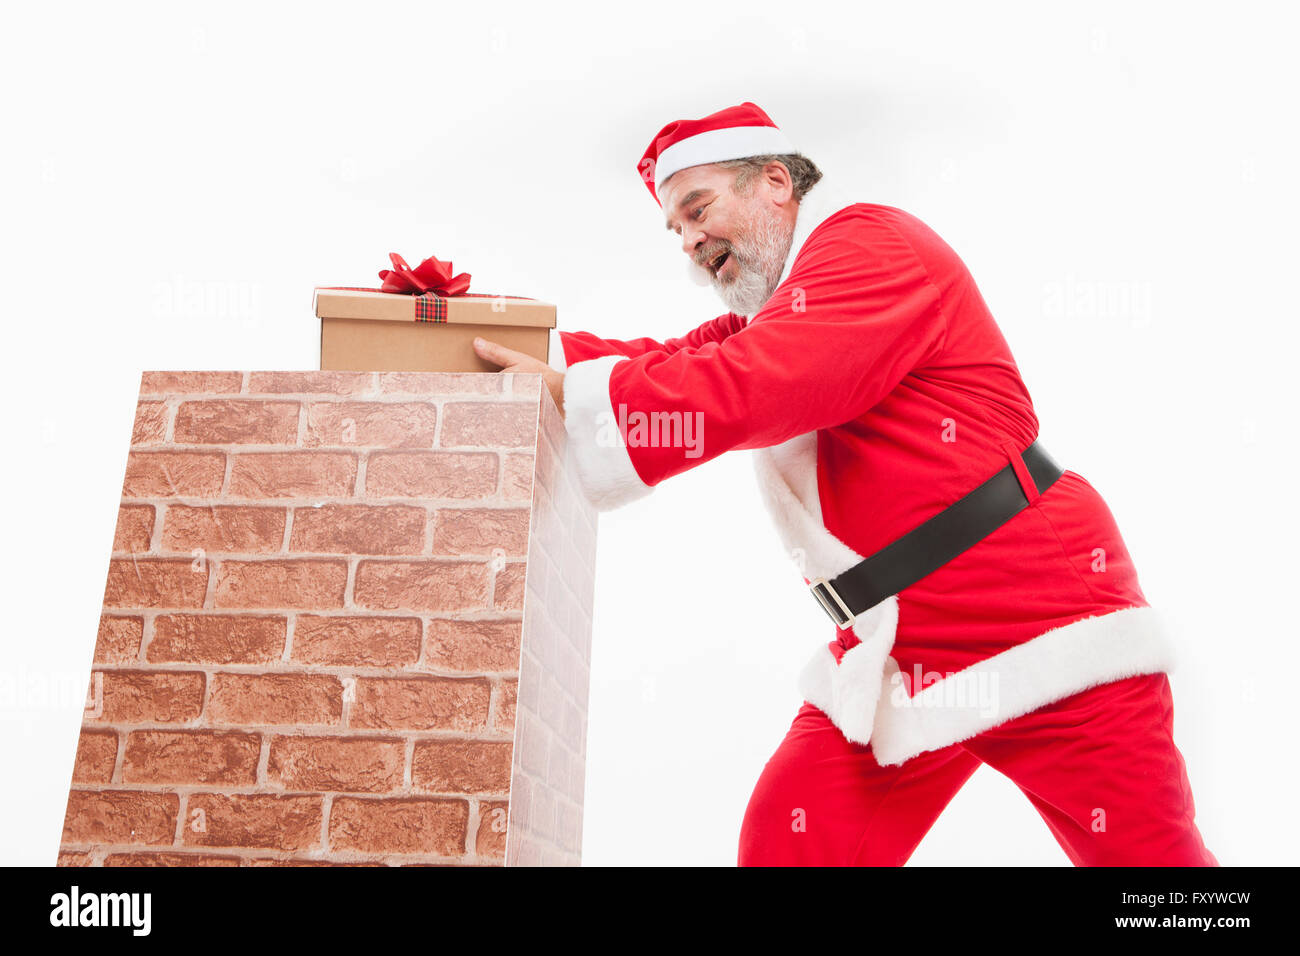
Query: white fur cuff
[[596, 445]]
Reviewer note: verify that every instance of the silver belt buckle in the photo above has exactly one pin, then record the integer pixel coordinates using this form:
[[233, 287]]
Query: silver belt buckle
[[831, 602]]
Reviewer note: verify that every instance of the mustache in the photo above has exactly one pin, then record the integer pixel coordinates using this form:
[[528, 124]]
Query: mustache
[[706, 255]]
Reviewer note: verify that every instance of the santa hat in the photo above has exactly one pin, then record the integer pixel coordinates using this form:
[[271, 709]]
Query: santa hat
[[734, 133]]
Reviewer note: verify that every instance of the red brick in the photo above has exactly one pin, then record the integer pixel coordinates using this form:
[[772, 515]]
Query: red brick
[[166, 474], [75, 859], [507, 700], [489, 424], [191, 383], [358, 529], [419, 825], [490, 841], [421, 585], [337, 764], [390, 424], [517, 477], [223, 528], [303, 861], [252, 820], [96, 756], [328, 382], [462, 766], [440, 383], [245, 699], [460, 864], [546, 465], [473, 645], [356, 641], [217, 638], [525, 385], [568, 827], [191, 756], [151, 697], [155, 582], [134, 528], [292, 474], [120, 816], [431, 475], [236, 421], [421, 703], [281, 584], [150, 423], [169, 859], [481, 530], [508, 595], [119, 639], [552, 422]]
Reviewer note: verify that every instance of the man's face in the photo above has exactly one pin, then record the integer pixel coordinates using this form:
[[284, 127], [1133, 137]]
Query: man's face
[[741, 240]]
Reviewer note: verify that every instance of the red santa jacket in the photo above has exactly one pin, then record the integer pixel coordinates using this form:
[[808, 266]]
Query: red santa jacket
[[876, 389]]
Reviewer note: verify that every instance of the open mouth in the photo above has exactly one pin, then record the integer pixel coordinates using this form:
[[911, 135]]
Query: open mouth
[[717, 262]]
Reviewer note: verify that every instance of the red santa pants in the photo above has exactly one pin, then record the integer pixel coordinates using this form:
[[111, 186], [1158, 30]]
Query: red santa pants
[[1100, 767]]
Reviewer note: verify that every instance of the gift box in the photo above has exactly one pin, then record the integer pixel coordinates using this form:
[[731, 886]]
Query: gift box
[[425, 320]]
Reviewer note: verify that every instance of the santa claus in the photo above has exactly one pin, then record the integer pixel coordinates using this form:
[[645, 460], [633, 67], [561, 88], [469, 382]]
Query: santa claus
[[986, 608]]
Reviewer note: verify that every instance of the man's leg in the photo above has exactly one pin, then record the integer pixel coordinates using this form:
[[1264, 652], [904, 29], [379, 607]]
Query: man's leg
[[1102, 770], [823, 801]]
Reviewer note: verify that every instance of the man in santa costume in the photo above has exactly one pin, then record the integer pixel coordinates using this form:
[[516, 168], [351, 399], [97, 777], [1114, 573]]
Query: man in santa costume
[[986, 608]]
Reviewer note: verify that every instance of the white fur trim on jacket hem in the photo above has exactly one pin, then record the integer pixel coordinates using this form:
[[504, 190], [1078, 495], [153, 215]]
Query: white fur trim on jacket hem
[[1056, 664], [851, 689], [787, 481], [863, 694], [596, 446]]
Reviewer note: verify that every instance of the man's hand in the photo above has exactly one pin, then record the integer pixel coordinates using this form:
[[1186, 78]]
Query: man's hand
[[512, 361]]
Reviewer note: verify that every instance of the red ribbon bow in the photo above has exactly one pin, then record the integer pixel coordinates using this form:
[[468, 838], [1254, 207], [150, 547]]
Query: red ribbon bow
[[431, 275]]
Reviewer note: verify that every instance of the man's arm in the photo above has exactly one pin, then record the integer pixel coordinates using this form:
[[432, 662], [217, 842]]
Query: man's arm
[[583, 347], [856, 315], [569, 348]]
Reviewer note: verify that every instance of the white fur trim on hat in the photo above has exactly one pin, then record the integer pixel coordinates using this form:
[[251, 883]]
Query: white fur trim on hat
[[718, 145]]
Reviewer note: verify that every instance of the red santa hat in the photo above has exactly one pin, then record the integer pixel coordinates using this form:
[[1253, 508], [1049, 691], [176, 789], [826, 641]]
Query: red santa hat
[[733, 133]]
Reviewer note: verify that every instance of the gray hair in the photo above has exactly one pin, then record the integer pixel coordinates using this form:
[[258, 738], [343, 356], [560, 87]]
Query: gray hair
[[803, 171]]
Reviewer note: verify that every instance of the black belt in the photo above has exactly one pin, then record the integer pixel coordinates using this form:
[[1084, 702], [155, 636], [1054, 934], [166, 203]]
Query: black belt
[[935, 542]]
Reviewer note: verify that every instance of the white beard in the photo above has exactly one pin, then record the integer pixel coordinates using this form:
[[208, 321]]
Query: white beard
[[760, 258]]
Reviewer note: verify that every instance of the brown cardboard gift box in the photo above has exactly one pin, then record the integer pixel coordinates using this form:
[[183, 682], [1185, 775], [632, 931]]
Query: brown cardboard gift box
[[370, 331]]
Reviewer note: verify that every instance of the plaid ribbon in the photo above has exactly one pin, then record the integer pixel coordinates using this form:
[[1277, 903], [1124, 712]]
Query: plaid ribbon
[[429, 307]]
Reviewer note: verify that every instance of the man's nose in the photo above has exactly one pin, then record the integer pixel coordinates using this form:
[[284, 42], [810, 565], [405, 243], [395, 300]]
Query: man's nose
[[692, 239]]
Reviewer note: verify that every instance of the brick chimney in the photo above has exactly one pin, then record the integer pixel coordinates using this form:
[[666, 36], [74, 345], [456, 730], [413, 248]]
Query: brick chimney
[[347, 622]]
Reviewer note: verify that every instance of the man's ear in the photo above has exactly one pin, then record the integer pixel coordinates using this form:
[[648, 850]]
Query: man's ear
[[779, 182]]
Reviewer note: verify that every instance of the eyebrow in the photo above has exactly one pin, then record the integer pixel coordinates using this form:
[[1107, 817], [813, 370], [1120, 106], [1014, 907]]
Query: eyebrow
[[689, 198]]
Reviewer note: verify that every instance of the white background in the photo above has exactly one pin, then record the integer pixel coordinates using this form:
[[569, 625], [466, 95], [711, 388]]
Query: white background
[[1119, 177]]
